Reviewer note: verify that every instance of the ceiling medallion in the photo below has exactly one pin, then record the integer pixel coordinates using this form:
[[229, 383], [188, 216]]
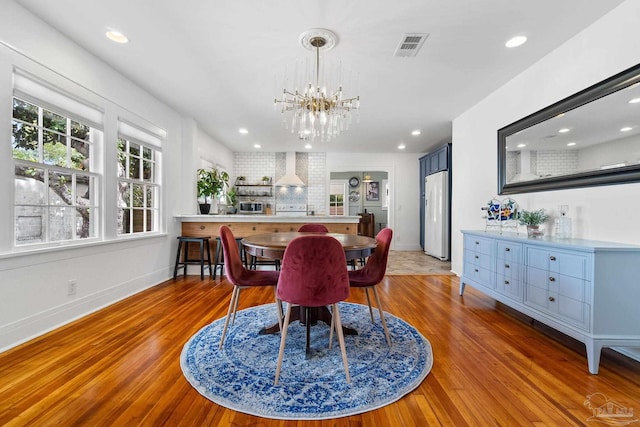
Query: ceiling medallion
[[311, 109]]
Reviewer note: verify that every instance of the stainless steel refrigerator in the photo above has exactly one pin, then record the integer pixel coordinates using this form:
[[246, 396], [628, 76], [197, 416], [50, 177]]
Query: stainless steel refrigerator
[[436, 215]]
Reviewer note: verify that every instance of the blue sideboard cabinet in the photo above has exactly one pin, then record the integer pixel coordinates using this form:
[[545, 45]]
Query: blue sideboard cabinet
[[586, 289]]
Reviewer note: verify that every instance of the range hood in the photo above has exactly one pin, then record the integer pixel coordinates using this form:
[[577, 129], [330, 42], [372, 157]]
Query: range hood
[[290, 179]]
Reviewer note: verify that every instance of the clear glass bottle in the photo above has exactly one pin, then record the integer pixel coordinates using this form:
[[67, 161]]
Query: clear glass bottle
[[563, 223]]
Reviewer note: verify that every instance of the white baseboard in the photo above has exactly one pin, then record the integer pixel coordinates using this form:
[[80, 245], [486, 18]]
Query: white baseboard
[[31, 327]]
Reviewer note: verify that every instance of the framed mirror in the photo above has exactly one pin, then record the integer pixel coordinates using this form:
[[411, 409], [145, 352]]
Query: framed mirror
[[590, 138]]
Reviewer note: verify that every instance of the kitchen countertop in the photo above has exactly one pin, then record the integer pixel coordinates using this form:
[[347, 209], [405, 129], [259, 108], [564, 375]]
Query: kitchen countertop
[[270, 218]]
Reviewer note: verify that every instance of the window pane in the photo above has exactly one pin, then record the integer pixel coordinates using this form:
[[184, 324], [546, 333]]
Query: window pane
[[149, 220], [149, 202], [138, 220], [83, 223], [29, 186], [138, 195], [134, 168], [25, 142], [61, 223], [134, 149], [53, 121], [122, 163], [25, 111], [54, 149], [80, 155], [29, 224], [125, 194], [125, 226], [147, 171], [147, 153], [61, 186], [83, 190], [80, 131]]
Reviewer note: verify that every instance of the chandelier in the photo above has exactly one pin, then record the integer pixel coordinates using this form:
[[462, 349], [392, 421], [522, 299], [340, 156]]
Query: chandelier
[[312, 109]]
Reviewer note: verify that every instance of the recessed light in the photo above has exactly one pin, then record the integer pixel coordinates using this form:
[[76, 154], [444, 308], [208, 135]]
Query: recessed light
[[243, 131], [564, 130], [516, 41], [521, 145], [116, 36], [257, 146], [626, 129], [402, 147], [571, 144], [307, 146], [416, 132], [634, 101]]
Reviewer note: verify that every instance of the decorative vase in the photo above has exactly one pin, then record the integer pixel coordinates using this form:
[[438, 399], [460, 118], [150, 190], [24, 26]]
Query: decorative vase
[[205, 208], [534, 231]]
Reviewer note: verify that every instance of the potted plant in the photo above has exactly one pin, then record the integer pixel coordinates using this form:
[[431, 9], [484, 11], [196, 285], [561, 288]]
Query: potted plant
[[533, 220], [232, 197], [211, 184]]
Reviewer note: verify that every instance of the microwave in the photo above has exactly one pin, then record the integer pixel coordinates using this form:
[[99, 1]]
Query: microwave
[[250, 208]]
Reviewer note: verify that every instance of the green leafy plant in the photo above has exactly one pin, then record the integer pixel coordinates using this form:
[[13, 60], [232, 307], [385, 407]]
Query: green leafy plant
[[533, 218], [211, 183], [232, 196]]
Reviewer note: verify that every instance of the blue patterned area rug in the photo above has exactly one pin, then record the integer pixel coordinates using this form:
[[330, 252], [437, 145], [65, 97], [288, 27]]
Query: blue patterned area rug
[[240, 376]]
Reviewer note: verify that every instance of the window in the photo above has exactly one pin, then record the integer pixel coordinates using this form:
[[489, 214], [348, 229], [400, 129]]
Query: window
[[138, 187], [337, 197], [56, 190]]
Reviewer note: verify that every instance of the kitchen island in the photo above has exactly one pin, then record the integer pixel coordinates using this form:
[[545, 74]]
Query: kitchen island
[[247, 225]]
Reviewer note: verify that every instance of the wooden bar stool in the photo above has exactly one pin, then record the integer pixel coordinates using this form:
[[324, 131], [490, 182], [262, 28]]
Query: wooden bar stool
[[219, 256], [202, 241]]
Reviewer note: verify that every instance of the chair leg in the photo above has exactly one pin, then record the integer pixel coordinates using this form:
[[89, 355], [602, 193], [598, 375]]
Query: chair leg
[[384, 322], [343, 349], [283, 340], [307, 323], [175, 268], [333, 324], [201, 260], [232, 303], [209, 257], [366, 292], [235, 308], [280, 314]]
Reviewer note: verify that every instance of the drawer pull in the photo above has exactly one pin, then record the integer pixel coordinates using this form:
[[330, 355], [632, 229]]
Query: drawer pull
[[552, 299], [476, 270], [253, 228], [506, 282], [552, 279], [507, 249], [477, 243], [202, 227], [552, 258], [476, 257], [506, 266]]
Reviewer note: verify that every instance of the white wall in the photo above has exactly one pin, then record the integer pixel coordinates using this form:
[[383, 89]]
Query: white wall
[[33, 285], [404, 186], [605, 48]]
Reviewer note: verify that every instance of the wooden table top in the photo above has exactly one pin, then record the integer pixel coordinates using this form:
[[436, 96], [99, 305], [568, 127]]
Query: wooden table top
[[272, 245]]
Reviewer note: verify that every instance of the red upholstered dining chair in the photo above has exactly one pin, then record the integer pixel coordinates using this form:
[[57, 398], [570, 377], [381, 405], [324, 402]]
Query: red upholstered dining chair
[[313, 274], [239, 276], [373, 273], [314, 228]]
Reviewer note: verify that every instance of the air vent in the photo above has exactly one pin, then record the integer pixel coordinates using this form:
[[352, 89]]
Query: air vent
[[410, 44]]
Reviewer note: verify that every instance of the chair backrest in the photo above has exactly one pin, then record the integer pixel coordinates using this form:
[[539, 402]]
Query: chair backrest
[[316, 228], [376, 265], [232, 262], [313, 272]]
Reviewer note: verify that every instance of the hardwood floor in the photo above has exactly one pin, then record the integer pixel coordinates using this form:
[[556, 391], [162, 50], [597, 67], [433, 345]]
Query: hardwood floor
[[120, 366]]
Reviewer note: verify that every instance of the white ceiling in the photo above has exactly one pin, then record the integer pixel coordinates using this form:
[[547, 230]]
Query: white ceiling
[[218, 61]]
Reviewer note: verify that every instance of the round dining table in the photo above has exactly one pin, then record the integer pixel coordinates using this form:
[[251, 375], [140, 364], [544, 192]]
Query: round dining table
[[273, 245]]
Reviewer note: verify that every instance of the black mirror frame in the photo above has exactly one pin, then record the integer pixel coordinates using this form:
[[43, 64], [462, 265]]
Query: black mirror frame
[[620, 175]]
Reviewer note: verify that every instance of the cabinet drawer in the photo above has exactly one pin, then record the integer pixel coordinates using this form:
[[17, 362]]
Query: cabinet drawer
[[509, 252], [511, 287], [478, 273], [508, 268], [566, 263], [478, 244], [478, 259], [568, 286]]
